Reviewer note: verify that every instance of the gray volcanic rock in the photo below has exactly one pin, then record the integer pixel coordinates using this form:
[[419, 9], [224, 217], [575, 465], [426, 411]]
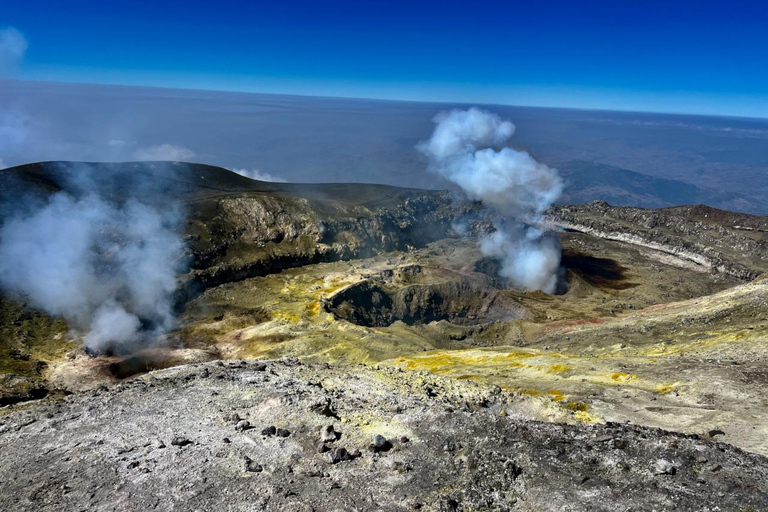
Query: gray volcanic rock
[[100, 451], [735, 244]]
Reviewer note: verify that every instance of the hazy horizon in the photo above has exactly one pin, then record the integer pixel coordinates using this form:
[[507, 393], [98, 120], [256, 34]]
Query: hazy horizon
[[633, 158], [457, 103]]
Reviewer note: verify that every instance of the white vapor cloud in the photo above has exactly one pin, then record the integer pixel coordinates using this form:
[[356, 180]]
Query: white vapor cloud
[[13, 46], [109, 269], [258, 175], [164, 152], [465, 148]]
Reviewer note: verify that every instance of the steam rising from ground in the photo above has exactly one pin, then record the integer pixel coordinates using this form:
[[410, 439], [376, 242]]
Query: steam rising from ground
[[258, 175], [463, 149], [161, 152], [109, 269]]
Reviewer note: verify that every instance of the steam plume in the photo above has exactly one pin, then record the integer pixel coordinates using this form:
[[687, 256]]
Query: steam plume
[[258, 175], [108, 268], [164, 152], [13, 46], [517, 187]]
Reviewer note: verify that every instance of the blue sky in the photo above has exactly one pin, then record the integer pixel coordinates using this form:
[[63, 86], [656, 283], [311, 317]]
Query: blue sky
[[652, 55]]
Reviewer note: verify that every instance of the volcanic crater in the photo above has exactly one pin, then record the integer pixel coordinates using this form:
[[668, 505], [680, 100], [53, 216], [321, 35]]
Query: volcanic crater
[[362, 306]]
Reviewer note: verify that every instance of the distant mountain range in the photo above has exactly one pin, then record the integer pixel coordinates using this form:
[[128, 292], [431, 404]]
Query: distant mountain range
[[589, 181]]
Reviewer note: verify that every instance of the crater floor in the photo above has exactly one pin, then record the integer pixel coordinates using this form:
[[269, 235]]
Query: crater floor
[[637, 337]]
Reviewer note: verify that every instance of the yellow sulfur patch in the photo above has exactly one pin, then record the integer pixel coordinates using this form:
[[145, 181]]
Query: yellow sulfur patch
[[623, 377], [556, 395], [586, 417], [668, 387]]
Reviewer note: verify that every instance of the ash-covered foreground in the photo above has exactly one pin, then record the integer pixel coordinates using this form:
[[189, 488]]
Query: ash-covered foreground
[[199, 437]]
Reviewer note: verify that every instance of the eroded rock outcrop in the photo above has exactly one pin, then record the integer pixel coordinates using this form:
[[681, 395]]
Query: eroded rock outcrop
[[719, 241]]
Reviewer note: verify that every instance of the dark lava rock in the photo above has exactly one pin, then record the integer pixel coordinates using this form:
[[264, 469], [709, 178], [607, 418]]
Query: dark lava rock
[[269, 431], [325, 407], [381, 444], [281, 432], [180, 441], [243, 425], [341, 454], [251, 466]]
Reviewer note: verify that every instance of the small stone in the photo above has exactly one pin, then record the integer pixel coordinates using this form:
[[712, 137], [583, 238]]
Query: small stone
[[180, 441], [260, 367], [619, 444], [338, 455], [380, 444], [324, 407], [664, 467], [269, 431], [322, 448], [355, 454], [715, 432], [715, 468], [251, 466], [226, 440], [243, 425], [328, 434], [404, 440], [159, 444], [281, 432]]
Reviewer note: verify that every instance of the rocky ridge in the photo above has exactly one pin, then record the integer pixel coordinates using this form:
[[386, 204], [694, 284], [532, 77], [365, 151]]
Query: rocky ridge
[[718, 241]]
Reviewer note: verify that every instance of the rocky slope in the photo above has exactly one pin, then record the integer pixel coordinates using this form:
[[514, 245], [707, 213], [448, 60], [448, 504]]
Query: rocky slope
[[733, 244], [289, 436]]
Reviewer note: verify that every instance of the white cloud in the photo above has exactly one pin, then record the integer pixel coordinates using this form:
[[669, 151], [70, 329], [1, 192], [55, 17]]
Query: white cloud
[[256, 174], [167, 152], [13, 46]]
